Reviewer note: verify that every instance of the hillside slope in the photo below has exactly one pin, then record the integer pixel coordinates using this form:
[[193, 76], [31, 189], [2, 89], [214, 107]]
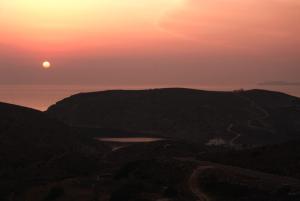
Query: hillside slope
[[34, 147], [280, 159], [232, 118]]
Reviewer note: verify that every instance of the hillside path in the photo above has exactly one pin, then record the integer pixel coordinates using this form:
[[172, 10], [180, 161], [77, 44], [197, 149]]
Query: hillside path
[[237, 134], [194, 183], [266, 180]]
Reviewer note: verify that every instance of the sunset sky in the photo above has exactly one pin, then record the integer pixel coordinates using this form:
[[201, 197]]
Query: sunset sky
[[144, 42]]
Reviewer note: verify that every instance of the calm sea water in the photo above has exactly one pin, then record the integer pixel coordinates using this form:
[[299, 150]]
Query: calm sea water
[[42, 96]]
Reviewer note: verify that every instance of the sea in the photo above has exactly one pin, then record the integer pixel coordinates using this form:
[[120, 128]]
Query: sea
[[40, 97]]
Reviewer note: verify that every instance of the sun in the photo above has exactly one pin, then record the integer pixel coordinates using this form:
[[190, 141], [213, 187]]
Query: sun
[[46, 64]]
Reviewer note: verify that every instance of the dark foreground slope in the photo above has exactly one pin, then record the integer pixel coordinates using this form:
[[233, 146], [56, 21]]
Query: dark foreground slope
[[281, 159], [242, 117], [166, 170], [43, 160], [35, 148]]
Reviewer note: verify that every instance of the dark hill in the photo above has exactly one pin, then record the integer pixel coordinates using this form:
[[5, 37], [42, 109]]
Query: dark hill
[[281, 159], [34, 147], [27, 132], [240, 117]]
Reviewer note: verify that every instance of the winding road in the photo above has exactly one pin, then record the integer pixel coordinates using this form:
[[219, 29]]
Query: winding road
[[267, 181], [194, 183], [265, 115], [237, 134]]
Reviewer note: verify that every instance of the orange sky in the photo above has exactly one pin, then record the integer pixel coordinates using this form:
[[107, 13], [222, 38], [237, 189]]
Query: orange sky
[[49, 25], [143, 42]]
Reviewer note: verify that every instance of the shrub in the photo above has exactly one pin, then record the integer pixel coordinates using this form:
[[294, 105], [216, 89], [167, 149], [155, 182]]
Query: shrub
[[54, 193]]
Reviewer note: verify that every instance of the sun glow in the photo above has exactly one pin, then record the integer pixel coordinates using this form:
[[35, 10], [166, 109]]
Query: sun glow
[[110, 28]]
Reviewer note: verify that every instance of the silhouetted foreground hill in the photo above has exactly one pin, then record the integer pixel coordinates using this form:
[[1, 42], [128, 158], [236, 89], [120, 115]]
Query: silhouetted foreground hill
[[42, 159], [216, 118], [281, 159], [34, 147]]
